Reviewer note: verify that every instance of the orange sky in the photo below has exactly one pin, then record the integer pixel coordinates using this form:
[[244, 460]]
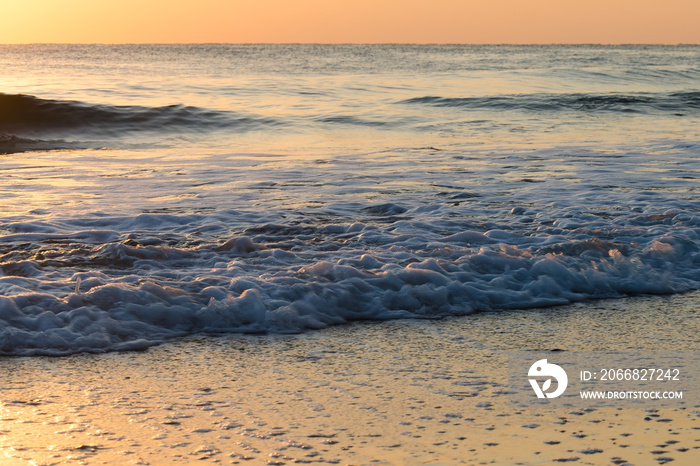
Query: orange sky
[[355, 21]]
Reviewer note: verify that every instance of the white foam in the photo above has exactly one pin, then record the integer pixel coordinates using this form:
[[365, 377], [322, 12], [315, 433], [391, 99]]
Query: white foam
[[141, 295]]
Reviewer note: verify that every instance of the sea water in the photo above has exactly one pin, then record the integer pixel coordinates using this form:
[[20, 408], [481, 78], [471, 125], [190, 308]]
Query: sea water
[[155, 191]]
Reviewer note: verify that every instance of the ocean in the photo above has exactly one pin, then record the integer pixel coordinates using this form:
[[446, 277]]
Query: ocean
[[150, 192]]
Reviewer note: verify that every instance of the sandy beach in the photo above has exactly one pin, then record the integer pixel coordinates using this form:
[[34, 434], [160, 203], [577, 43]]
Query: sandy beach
[[399, 392]]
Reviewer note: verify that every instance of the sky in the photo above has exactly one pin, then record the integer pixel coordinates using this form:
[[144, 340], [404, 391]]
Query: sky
[[350, 21]]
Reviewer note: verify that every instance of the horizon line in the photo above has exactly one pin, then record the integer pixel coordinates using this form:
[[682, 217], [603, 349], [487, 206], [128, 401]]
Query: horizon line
[[679, 44]]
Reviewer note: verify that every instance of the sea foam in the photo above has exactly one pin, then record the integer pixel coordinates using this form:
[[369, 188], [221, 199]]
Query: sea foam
[[284, 280]]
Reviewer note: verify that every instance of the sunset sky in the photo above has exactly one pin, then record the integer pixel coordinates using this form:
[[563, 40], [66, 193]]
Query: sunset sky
[[354, 21]]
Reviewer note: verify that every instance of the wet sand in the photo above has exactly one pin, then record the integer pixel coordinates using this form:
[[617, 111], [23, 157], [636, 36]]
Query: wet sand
[[400, 392]]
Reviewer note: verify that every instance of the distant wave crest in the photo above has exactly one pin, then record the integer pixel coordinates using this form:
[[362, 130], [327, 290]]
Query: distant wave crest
[[22, 115], [675, 102]]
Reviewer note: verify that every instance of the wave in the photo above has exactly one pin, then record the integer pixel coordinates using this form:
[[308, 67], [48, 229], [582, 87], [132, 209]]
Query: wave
[[125, 285], [674, 102], [22, 115]]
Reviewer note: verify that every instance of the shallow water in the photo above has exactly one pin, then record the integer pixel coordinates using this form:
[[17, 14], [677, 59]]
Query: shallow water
[[150, 192], [393, 392]]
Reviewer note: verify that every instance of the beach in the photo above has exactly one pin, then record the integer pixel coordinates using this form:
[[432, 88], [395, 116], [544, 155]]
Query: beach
[[290, 253], [396, 392]]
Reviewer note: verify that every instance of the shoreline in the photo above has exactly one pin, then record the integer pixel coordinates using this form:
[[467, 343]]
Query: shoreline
[[395, 392]]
